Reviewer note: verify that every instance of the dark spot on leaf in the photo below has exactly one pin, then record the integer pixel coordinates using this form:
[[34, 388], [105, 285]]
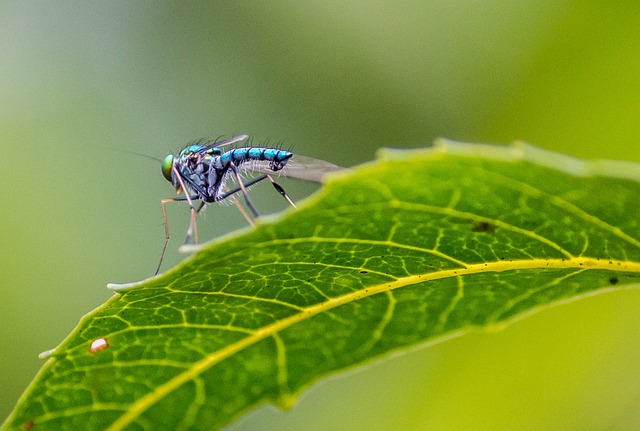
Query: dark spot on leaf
[[483, 226], [613, 280], [29, 425], [364, 272]]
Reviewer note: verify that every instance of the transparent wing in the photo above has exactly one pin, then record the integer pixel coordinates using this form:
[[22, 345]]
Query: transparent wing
[[310, 169], [301, 168], [224, 143], [232, 141]]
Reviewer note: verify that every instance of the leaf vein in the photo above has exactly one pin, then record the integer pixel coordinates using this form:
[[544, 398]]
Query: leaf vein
[[142, 404]]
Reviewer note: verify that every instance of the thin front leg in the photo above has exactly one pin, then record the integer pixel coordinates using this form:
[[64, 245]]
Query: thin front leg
[[192, 221], [166, 226], [193, 228], [166, 232]]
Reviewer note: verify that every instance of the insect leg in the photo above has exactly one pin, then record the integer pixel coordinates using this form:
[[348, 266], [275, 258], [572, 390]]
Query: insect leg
[[236, 202], [243, 189], [166, 226], [195, 226], [166, 232], [237, 189], [280, 190], [192, 221], [277, 186]]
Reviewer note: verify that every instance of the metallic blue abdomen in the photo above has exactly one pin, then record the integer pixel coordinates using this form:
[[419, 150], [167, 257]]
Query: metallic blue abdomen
[[277, 158]]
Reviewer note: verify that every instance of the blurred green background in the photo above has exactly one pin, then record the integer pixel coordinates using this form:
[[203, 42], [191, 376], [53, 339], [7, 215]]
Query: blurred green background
[[335, 80]]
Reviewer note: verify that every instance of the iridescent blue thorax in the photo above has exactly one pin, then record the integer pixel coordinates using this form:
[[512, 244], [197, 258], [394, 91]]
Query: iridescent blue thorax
[[203, 169]]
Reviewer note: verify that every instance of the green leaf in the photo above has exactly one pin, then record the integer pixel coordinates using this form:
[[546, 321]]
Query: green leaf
[[418, 246]]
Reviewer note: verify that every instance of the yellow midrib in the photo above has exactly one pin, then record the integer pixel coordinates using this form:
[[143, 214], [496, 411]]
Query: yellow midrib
[[199, 367]]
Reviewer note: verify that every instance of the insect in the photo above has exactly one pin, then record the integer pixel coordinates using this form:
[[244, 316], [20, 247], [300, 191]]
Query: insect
[[201, 172]]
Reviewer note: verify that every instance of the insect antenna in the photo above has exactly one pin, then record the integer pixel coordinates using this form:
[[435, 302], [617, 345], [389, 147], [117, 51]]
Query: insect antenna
[[135, 153]]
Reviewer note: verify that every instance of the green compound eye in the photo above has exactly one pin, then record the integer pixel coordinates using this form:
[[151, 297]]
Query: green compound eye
[[167, 166]]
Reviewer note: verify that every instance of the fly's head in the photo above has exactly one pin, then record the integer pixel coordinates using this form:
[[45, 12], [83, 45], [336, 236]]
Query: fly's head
[[167, 167], [188, 158], [189, 166]]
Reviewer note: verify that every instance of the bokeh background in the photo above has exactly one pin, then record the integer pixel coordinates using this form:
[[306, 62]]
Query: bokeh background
[[82, 80]]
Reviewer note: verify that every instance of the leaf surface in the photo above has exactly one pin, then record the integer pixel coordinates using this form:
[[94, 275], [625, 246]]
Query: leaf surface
[[417, 246]]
